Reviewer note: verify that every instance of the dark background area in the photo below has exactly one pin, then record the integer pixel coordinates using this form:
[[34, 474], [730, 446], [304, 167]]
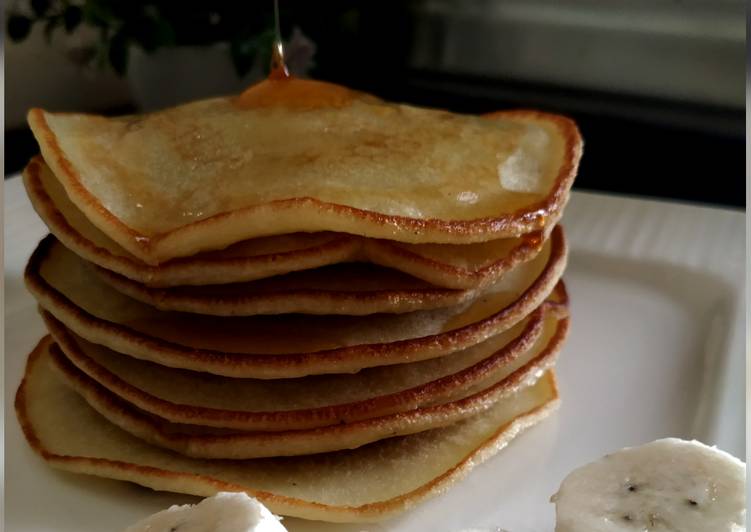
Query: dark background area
[[635, 144]]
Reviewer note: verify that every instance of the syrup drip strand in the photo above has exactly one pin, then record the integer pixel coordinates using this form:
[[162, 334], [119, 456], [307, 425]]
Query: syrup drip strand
[[278, 66]]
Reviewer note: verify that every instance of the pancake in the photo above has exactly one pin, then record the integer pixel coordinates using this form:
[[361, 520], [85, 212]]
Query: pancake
[[367, 484], [348, 289], [305, 156], [187, 397], [447, 265], [210, 442], [301, 345]]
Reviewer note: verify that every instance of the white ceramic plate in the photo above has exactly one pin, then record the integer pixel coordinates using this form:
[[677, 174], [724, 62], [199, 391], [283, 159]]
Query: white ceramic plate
[[656, 349]]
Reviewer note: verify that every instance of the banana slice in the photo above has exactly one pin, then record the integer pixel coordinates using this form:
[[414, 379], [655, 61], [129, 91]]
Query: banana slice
[[224, 512], [669, 485]]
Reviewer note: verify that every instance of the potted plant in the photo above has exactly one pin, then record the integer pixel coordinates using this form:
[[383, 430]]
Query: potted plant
[[170, 51]]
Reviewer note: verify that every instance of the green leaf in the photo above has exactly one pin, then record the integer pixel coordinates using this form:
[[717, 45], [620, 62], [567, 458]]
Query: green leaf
[[350, 20], [245, 47], [165, 33], [40, 7], [73, 15], [101, 54], [242, 51], [49, 27], [153, 33], [265, 46], [18, 27], [99, 13], [118, 53]]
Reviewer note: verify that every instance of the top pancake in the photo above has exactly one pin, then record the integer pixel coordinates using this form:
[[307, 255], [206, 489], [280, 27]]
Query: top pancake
[[299, 155], [447, 265]]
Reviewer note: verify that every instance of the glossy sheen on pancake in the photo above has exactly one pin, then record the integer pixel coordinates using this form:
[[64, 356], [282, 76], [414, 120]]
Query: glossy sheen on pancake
[[186, 397], [459, 266], [209, 442], [299, 345], [367, 484], [286, 157]]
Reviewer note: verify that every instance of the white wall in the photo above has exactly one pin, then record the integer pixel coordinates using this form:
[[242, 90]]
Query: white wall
[[690, 50], [40, 75]]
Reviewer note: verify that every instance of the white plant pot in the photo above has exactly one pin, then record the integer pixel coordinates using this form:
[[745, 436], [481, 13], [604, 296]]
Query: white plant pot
[[170, 76]]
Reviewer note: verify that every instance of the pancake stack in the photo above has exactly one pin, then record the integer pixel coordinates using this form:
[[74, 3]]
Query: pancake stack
[[336, 304]]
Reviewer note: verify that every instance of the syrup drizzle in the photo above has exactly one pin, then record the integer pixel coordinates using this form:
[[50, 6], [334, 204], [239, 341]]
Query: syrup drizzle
[[534, 239], [278, 69]]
